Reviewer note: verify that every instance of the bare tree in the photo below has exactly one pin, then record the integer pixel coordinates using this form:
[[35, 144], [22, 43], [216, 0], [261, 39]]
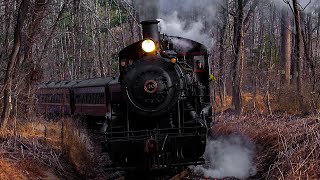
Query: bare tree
[[6, 89], [298, 52], [240, 22], [222, 29], [285, 46]]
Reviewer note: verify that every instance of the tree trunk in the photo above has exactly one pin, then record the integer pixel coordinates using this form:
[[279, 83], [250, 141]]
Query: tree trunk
[[237, 59], [53, 29], [108, 44], [308, 49], [298, 52], [7, 27], [285, 47], [221, 68], [23, 10]]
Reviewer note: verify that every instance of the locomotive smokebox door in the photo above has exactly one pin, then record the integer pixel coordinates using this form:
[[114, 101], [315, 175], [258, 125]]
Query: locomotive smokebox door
[[152, 88], [150, 30]]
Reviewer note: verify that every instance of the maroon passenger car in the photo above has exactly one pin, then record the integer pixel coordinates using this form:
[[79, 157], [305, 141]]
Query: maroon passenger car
[[89, 97]]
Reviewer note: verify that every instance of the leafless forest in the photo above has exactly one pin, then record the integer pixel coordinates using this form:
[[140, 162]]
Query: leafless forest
[[265, 58]]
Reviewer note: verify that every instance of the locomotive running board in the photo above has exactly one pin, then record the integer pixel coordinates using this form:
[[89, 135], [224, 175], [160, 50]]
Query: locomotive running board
[[153, 169]]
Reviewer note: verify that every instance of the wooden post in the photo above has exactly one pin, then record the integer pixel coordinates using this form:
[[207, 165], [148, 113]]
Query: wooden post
[[62, 135], [45, 133]]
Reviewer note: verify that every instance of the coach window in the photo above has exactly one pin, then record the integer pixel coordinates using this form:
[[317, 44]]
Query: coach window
[[56, 98], [95, 98], [103, 98], [67, 98], [40, 97], [75, 98], [79, 98], [88, 98], [92, 98], [46, 98], [85, 98], [53, 99], [82, 98], [59, 98]]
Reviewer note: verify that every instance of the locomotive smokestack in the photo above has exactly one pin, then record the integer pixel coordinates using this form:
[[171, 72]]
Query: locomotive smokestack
[[150, 30]]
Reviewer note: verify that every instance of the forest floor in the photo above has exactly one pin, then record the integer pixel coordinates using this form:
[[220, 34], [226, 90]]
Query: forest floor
[[287, 147], [60, 149], [41, 149]]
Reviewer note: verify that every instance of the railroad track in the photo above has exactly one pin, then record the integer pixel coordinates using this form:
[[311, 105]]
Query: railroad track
[[183, 175], [180, 175]]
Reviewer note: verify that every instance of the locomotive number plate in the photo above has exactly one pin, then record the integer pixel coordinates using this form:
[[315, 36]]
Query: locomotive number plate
[[150, 86]]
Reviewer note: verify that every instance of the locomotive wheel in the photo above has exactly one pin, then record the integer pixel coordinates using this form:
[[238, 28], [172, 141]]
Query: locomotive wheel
[[152, 86]]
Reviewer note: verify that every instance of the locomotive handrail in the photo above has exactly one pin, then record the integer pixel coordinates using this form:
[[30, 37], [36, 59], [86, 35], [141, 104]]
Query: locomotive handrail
[[157, 133], [164, 129], [140, 138], [147, 136], [164, 142]]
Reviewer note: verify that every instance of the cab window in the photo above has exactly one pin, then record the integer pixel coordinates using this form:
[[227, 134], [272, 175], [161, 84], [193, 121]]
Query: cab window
[[199, 63]]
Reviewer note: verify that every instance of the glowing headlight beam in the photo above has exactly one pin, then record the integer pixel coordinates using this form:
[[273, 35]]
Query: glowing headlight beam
[[148, 46]]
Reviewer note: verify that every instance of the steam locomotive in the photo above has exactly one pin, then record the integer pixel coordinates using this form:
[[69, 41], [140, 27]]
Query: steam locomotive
[[157, 111]]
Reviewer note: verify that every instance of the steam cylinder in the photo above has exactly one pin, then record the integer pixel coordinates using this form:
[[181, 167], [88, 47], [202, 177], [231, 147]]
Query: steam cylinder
[[150, 30]]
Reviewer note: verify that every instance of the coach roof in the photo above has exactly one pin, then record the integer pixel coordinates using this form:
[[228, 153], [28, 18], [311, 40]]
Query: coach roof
[[103, 81]]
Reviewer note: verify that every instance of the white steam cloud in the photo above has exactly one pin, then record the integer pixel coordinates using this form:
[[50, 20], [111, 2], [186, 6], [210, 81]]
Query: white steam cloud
[[173, 26], [229, 156], [184, 18]]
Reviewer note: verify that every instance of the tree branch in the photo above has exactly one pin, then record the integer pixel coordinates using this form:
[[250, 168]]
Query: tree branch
[[53, 29], [250, 12]]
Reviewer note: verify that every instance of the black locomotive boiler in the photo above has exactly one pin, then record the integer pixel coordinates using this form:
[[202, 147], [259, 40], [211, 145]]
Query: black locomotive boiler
[[158, 109]]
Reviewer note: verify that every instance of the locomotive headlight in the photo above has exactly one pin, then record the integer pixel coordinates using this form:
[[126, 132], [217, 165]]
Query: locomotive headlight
[[148, 46]]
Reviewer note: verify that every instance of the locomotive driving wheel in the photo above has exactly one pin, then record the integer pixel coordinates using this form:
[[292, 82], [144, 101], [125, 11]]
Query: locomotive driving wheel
[[152, 87]]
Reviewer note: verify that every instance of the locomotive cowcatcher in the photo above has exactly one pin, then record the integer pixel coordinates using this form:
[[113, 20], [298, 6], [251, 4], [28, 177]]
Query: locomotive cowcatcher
[[158, 109]]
